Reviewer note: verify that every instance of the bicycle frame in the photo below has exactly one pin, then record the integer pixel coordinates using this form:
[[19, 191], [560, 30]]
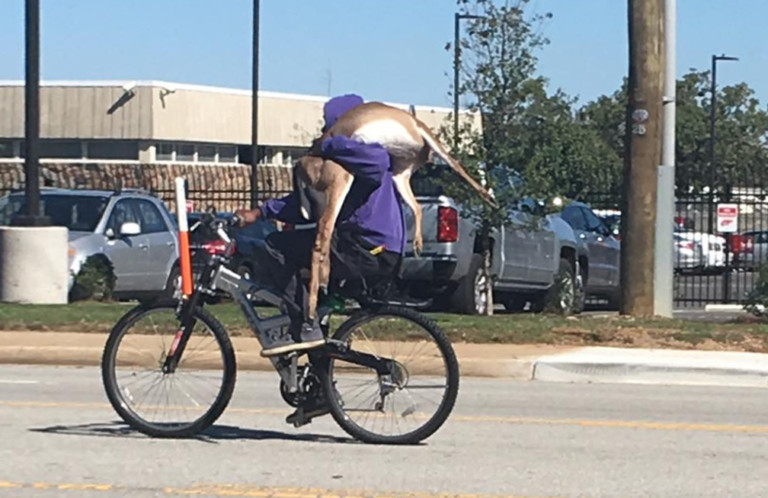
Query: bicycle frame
[[217, 277]]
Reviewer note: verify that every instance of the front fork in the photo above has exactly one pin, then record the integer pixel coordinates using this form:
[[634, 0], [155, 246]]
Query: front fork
[[186, 315]]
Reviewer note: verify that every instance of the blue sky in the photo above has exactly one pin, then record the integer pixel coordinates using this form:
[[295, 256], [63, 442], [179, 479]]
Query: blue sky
[[383, 49]]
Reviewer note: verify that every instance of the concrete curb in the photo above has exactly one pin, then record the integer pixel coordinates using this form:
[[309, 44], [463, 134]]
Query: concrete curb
[[502, 361], [714, 308], [518, 369], [653, 366]]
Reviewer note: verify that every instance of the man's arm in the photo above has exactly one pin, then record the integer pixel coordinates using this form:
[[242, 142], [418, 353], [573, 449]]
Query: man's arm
[[285, 209]]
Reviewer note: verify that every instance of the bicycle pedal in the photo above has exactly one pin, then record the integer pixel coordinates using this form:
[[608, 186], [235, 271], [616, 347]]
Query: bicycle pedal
[[300, 418]]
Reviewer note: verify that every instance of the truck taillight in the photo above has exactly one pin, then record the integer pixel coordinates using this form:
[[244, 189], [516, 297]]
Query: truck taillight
[[447, 224], [742, 244]]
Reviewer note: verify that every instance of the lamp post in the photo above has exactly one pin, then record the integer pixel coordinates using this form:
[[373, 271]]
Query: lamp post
[[255, 108], [712, 136], [457, 17], [31, 215]]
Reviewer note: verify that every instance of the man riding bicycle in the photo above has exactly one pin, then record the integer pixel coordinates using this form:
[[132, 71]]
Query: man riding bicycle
[[368, 242]]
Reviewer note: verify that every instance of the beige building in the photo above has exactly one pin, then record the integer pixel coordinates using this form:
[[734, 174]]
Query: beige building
[[153, 122]]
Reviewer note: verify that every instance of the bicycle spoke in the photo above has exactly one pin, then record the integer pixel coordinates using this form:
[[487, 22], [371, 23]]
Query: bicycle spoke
[[175, 398], [397, 404]]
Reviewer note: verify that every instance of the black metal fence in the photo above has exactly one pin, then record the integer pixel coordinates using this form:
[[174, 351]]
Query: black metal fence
[[712, 266]]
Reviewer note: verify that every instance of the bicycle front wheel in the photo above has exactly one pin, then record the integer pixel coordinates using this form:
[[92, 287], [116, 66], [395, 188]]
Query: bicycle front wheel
[[409, 403], [176, 404]]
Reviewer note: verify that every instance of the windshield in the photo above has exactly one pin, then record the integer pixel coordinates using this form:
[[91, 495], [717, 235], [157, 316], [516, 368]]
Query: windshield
[[424, 181], [78, 213]]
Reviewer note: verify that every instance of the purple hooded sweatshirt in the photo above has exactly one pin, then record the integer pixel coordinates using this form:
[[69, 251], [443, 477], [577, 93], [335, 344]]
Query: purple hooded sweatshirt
[[372, 208]]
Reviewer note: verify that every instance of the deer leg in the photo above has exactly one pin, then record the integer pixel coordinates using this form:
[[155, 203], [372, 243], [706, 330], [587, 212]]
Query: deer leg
[[336, 182], [402, 182]]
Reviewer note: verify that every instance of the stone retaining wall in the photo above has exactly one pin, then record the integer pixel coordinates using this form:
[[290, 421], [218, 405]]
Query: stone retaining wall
[[226, 187]]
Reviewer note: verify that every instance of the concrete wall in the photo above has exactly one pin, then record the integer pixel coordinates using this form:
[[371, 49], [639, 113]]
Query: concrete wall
[[80, 112], [158, 111], [225, 117]]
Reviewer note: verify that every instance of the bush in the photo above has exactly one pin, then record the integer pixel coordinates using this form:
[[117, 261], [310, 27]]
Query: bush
[[757, 298], [96, 280]]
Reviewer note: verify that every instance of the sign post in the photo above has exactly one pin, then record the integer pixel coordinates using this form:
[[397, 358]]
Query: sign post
[[727, 223]]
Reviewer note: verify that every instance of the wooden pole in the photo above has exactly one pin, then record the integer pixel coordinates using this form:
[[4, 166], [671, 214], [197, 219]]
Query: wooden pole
[[643, 155]]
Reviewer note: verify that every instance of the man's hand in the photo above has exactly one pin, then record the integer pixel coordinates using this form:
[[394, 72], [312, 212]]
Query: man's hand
[[248, 216]]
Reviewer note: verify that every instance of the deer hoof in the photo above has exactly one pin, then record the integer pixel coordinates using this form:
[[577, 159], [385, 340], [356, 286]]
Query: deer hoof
[[418, 247]]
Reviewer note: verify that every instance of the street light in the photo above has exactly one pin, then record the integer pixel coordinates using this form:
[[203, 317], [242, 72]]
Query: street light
[[712, 137], [31, 215], [255, 108], [456, 61]]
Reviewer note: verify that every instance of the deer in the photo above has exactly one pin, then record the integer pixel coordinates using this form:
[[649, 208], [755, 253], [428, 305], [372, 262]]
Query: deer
[[409, 143]]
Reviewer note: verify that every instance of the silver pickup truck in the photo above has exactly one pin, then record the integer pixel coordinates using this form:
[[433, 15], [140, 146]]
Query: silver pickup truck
[[536, 263]]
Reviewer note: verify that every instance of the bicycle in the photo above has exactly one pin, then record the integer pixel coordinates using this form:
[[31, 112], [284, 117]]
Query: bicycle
[[376, 396]]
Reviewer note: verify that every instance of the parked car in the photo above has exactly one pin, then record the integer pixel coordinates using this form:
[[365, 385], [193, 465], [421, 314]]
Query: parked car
[[534, 258], [688, 254], [712, 247], [247, 240], [603, 252], [130, 229], [749, 249]]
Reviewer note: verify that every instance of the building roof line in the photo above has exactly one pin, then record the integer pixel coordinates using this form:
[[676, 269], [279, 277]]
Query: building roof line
[[212, 89]]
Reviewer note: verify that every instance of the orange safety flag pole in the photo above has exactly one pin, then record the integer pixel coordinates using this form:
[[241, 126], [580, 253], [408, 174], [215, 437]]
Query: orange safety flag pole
[[185, 257]]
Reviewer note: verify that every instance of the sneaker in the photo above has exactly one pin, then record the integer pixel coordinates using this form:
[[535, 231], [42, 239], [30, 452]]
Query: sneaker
[[311, 336]]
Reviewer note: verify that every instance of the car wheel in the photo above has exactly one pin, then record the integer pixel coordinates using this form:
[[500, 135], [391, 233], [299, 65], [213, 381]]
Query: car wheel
[[561, 296], [580, 289], [515, 304], [172, 290], [470, 297], [245, 271]]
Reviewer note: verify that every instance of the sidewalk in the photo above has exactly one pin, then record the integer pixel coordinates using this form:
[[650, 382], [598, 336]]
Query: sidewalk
[[504, 361], [66, 348]]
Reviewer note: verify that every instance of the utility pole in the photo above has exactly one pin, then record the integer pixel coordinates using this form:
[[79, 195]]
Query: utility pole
[[664, 268], [643, 155]]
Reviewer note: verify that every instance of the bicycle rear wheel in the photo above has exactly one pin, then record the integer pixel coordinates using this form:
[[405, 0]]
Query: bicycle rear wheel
[[414, 399], [177, 404]]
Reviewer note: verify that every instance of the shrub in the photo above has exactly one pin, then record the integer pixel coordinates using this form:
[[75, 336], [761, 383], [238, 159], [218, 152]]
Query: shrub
[[96, 280], [757, 298]]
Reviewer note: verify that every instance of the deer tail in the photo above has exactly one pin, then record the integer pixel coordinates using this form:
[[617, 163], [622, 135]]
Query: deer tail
[[455, 165]]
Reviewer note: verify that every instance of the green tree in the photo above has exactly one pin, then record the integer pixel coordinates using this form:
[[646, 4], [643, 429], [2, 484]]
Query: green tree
[[740, 149], [497, 78]]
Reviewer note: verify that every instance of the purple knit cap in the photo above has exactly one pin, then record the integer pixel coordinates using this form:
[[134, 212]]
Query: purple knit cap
[[337, 106]]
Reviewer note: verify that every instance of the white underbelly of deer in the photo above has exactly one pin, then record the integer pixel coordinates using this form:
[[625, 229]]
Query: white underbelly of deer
[[392, 135]]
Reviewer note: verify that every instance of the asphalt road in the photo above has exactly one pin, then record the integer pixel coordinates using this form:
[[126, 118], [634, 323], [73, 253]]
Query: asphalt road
[[60, 438]]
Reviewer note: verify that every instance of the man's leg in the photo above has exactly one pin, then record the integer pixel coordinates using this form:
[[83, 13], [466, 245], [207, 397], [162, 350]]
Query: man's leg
[[281, 261], [356, 260]]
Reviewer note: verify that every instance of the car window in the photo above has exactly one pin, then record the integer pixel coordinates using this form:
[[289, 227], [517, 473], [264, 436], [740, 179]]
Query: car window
[[123, 212], [78, 213], [573, 216], [425, 181], [151, 220], [594, 224]]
